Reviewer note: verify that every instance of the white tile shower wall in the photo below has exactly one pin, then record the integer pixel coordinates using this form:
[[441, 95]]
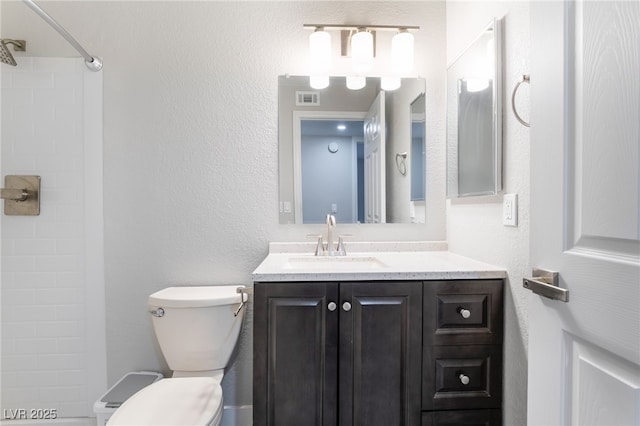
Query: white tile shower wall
[[45, 348]]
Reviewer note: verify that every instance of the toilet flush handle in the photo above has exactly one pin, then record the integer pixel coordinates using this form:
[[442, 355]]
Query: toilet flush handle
[[159, 313]]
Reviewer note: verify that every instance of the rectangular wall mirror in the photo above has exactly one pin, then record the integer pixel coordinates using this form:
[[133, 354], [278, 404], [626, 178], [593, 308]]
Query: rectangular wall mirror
[[358, 154], [474, 117]]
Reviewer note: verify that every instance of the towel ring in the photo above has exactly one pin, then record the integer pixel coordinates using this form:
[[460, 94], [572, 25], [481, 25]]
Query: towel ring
[[524, 79], [402, 166]]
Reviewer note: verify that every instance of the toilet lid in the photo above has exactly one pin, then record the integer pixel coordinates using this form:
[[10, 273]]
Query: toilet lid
[[184, 401]]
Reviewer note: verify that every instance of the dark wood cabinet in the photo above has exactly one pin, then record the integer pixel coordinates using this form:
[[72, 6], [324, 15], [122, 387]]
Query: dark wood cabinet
[[344, 353], [403, 353]]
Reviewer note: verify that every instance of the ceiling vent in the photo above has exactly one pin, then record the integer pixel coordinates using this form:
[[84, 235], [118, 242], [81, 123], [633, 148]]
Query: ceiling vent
[[307, 98]]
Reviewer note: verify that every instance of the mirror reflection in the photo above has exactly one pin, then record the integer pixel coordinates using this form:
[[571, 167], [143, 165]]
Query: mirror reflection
[[359, 154], [474, 126]]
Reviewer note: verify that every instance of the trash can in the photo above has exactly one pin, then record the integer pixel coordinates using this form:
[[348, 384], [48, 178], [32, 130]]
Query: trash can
[[129, 384]]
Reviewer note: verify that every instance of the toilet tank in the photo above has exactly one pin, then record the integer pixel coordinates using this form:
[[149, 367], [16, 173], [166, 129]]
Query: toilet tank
[[195, 326]]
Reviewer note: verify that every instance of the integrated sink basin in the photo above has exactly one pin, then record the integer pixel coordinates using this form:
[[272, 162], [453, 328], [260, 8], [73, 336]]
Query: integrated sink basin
[[333, 263]]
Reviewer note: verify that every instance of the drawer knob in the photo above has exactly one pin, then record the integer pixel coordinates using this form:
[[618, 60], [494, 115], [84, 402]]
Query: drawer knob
[[332, 306], [346, 306], [464, 379], [464, 313]]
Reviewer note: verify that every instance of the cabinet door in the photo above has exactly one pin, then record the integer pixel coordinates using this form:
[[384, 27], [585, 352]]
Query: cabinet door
[[295, 354], [380, 347]]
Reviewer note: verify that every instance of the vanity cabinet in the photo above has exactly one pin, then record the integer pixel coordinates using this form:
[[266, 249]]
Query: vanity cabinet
[[337, 353], [403, 353]]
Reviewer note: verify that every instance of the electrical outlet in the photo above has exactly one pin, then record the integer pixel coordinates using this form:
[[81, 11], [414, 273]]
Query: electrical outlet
[[334, 208], [510, 210]]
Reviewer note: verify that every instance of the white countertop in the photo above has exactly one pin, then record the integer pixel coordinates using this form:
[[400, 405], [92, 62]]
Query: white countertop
[[372, 261]]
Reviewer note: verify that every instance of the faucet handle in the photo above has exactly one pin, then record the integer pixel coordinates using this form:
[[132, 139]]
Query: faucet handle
[[320, 249], [342, 251]]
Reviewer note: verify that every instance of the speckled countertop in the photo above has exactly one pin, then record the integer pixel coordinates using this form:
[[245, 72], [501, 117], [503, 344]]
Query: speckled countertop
[[372, 261]]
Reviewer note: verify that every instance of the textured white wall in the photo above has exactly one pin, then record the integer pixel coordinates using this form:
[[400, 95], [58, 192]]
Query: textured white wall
[[474, 225], [190, 142]]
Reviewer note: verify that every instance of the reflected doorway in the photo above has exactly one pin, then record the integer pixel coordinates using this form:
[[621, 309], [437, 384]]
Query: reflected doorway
[[332, 169]]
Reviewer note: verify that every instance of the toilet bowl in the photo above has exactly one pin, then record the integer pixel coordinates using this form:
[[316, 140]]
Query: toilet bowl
[[197, 330]]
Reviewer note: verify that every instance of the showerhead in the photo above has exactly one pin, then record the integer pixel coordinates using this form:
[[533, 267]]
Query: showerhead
[[5, 53]]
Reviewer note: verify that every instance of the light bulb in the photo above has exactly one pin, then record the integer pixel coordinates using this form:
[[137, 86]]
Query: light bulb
[[390, 83], [320, 52], [362, 52], [356, 82], [402, 52], [319, 81]]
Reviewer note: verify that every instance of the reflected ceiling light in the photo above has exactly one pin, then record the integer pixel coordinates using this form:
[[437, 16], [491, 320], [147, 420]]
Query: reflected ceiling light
[[362, 51], [389, 83], [356, 82], [319, 58], [402, 52], [341, 127]]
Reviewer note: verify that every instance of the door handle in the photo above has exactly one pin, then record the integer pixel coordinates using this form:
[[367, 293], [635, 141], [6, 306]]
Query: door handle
[[546, 283]]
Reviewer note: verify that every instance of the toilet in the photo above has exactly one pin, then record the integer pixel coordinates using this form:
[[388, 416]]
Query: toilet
[[197, 329]]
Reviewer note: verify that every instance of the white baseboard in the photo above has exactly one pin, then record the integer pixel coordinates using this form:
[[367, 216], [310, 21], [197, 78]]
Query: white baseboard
[[241, 415]]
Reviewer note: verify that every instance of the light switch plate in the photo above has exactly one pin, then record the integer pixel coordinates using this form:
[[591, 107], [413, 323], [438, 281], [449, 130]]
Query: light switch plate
[[510, 210]]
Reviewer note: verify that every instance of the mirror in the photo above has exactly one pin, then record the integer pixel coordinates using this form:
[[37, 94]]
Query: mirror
[[344, 152], [474, 117], [418, 156]]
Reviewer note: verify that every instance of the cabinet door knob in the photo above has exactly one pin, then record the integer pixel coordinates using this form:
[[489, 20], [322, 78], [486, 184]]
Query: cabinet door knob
[[464, 379], [332, 306], [346, 306], [465, 313]]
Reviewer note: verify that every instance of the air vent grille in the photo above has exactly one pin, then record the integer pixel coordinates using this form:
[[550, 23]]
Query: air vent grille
[[307, 98]]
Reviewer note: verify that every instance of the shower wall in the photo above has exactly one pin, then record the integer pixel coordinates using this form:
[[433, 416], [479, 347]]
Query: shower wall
[[52, 300]]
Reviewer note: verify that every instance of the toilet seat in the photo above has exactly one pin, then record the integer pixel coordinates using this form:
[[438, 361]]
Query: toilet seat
[[184, 401]]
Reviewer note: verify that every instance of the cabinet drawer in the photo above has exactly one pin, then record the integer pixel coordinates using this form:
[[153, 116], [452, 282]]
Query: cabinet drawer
[[463, 312], [462, 418], [457, 377]]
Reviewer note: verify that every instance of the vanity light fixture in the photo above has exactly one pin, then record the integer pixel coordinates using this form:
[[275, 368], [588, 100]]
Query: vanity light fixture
[[359, 41]]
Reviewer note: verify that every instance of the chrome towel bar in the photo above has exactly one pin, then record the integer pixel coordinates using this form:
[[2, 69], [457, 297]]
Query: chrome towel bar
[[524, 79]]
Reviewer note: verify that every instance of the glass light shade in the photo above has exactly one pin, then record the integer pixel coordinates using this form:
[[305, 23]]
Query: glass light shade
[[356, 82], [402, 53], [362, 52], [390, 83], [319, 81], [477, 84], [320, 52]]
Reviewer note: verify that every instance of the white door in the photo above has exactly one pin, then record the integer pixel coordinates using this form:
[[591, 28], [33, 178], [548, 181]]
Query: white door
[[584, 355], [374, 162]]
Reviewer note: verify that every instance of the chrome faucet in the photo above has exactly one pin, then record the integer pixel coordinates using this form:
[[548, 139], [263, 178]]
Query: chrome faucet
[[331, 223], [329, 249]]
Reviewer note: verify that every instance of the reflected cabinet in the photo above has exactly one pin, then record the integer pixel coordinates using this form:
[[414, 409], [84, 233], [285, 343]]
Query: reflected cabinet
[[378, 353]]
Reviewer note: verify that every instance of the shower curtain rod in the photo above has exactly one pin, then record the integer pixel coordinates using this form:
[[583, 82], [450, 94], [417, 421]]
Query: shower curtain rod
[[93, 63]]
